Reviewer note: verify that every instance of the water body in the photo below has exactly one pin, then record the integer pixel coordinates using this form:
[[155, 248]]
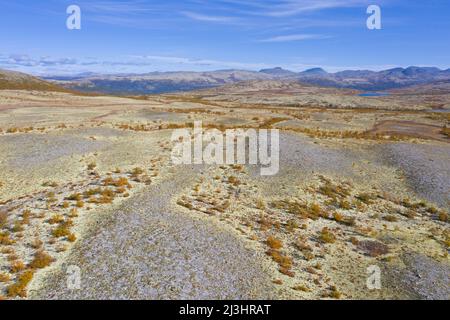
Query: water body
[[373, 94]]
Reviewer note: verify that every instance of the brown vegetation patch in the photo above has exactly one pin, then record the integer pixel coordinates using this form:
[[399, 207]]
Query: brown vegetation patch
[[373, 248]]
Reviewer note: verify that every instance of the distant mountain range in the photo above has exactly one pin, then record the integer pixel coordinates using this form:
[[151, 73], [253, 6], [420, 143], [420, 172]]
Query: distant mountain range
[[166, 82]]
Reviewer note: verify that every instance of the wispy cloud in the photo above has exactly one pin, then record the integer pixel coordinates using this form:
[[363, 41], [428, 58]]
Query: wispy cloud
[[294, 7], [118, 7], [148, 63], [285, 8], [123, 64], [208, 18], [213, 11], [295, 37]]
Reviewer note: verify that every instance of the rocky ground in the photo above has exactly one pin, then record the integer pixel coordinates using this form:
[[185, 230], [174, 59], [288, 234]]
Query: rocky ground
[[145, 249], [94, 187]]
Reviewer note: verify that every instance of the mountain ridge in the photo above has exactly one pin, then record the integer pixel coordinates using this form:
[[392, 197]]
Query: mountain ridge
[[167, 82]]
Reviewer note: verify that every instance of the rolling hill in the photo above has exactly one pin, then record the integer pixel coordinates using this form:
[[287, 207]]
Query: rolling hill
[[11, 80]]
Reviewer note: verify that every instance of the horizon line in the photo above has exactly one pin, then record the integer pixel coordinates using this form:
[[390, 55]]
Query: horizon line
[[49, 74]]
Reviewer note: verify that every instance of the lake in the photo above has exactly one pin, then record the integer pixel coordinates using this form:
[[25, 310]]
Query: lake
[[373, 94]]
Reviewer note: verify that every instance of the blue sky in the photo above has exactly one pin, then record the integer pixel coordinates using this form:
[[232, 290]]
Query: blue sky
[[153, 35]]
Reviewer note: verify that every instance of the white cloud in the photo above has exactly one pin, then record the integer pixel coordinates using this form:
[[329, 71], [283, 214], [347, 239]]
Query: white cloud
[[295, 37], [207, 18], [287, 8]]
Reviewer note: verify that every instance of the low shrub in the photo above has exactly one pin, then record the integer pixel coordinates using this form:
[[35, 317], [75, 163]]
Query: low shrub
[[327, 236], [75, 197], [55, 219], [63, 230], [79, 204], [365, 198], [345, 205], [301, 288], [73, 213], [5, 239], [41, 260], [17, 266], [18, 226], [137, 171], [274, 243], [3, 219], [71, 237], [36, 243], [18, 289], [443, 216], [4, 277], [390, 218]]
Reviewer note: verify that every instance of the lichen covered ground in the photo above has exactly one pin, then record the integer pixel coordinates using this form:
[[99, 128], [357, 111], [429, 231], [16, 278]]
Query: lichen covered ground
[[92, 185]]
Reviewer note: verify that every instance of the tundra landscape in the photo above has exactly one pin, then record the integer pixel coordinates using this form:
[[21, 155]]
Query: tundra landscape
[[224, 158], [87, 183]]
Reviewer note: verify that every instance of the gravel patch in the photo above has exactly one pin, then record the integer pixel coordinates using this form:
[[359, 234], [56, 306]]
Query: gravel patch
[[421, 278], [26, 150], [147, 250], [301, 158], [426, 167], [160, 115]]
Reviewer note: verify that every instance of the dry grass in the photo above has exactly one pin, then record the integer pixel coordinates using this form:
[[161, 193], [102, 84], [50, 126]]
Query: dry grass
[[26, 216], [373, 248], [137, 171], [332, 293], [277, 282], [366, 198], [79, 204], [36, 243], [443, 216], [73, 213], [63, 230], [327, 236], [334, 191], [17, 266], [18, 289], [3, 219], [274, 243], [345, 205], [92, 166], [50, 184], [55, 219], [118, 183], [390, 218], [346, 134], [284, 262], [71, 237], [4, 277], [234, 181], [18, 226], [298, 209], [75, 197], [5, 239], [41, 260], [301, 288]]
